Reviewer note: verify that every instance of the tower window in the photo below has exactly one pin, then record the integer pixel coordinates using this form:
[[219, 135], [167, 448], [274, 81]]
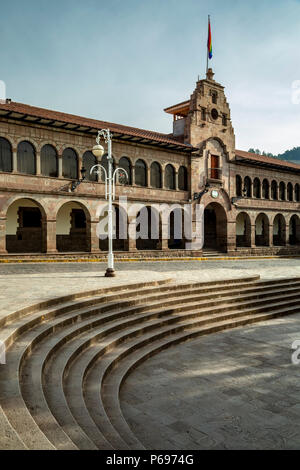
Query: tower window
[[214, 114], [224, 120], [214, 97], [203, 114]]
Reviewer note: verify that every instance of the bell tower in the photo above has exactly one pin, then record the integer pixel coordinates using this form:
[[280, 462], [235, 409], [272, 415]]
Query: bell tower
[[204, 116]]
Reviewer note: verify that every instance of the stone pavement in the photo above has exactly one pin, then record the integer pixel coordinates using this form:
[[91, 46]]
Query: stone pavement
[[25, 284], [231, 390], [235, 389]]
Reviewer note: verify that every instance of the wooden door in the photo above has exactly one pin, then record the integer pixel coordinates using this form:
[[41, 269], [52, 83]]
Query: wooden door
[[215, 167]]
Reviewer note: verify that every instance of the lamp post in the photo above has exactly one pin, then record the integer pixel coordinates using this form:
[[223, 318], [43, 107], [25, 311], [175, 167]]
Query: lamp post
[[110, 184]]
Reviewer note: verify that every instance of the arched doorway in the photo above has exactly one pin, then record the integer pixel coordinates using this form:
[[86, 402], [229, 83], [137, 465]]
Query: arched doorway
[[148, 229], [72, 228], [294, 230], [25, 227], [176, 239], [120, 229], [243, 230], [279, 231], [262, 230], [215, 227]]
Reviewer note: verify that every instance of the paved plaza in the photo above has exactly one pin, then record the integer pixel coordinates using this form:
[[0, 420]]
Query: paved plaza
[[22, 284], [231, 390]]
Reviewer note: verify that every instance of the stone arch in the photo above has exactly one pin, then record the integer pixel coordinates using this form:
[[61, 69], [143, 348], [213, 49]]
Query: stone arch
[[148, 229], [248, 186], [282, 191], [215, 226], [126, 163], [183, 178], [73, 227], [294, 230], [6, 155], [290, 192], [243, 230], [279, 230], [155, 175], [176, 233], [141, 172], [262, 227], [238, 186], [120, 228], [265, 189], [297, 192], [169, 177], [256, 188], [26, 228], [26, 157], [274, 190]]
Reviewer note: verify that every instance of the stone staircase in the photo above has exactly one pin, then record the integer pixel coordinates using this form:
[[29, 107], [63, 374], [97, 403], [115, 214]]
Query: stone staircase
[[68, 358]]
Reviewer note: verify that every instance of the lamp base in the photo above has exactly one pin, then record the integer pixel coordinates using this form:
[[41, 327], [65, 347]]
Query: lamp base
[[110, 272]]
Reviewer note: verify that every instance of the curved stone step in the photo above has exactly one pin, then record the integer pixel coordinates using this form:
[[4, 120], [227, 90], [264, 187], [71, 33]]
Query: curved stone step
[[115, 381], [73, 319]]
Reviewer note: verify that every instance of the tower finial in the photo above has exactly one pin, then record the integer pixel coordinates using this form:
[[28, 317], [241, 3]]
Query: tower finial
[[210, 74]]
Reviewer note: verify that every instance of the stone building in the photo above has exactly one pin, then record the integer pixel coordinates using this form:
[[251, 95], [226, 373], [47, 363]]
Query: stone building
[[251, 202]]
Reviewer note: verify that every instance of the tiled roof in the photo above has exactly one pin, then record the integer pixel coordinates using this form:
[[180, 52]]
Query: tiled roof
[[46, 114], [266, 160]]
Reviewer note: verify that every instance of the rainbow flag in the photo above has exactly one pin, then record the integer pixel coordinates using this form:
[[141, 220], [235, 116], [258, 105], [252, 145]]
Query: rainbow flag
[[209, 41]]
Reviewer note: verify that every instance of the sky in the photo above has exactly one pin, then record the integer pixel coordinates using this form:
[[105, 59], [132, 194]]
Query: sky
[[124, 61]]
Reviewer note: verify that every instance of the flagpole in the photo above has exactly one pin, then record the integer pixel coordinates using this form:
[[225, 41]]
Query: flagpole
[[207, 45]]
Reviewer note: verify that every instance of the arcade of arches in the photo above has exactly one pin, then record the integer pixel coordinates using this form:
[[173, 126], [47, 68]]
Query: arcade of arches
[[27, 227]]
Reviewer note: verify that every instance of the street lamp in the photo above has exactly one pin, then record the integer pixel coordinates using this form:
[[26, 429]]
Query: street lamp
[[110, 184]]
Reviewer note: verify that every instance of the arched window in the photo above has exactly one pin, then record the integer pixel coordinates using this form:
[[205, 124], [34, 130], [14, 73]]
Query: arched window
[[238, 186], [170, 177], [70, 164], [140, 173], [247, 186], [88, 161], [49, 161], [5, 155], [256, 188], [155, 179], [297, 192], [182, 178], [274, 194], [282, 191], [126, 165], [265, 189], [290, 191], [26, 158]]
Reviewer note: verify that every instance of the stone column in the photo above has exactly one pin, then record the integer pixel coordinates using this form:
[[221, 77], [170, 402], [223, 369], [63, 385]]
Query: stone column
[[3, 235], [270, 243], [38, 163], [287, 234], [79, 166], [253, 236], [60, 168], [94, 245], [148, 176], [163, 242], [49, 236], [162, 179], [231, 236], [132, 235], [176, 180], [15, 161], [133, 175]]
